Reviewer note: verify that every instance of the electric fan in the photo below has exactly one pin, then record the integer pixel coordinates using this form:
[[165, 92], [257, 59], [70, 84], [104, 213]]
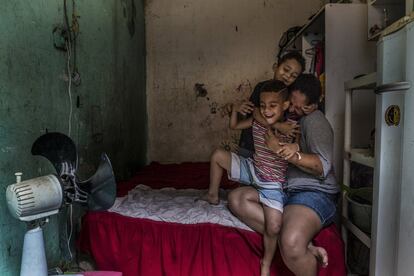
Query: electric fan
[[36, 199]]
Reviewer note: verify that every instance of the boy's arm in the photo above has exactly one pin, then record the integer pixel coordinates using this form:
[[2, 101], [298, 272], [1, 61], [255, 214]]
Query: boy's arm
[[244, 109], [258, 116]]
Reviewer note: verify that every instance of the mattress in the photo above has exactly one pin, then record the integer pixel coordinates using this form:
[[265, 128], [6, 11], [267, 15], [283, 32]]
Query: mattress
[[157, 230]]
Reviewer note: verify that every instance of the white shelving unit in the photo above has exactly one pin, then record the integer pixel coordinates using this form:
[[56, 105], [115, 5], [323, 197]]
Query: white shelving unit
[[364, 84], [382, 13], [347, 53]]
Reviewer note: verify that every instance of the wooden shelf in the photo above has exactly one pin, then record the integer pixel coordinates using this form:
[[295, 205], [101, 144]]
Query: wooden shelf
[[364, 238], [362, 156], [365, 82]]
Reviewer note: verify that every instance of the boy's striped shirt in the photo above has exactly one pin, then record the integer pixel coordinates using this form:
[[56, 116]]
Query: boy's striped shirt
[[269, 167]]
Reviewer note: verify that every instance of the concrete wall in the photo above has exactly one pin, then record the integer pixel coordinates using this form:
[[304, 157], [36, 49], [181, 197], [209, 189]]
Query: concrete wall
[[201, 55], [110, 114]]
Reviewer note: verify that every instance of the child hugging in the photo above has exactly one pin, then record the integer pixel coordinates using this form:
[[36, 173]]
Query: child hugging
[[266, 171]]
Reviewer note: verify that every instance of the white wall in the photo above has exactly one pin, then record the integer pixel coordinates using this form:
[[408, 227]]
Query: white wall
[[227, 45]]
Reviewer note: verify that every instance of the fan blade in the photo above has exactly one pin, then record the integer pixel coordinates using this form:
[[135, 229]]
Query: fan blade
[[59, 149], [101, 187]]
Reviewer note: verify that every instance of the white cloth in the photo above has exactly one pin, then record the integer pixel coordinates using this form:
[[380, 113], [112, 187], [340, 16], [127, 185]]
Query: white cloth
[[175, 205]]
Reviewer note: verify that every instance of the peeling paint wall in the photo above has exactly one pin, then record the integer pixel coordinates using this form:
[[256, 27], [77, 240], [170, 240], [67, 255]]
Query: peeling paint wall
[[109, 106], [202, 55]]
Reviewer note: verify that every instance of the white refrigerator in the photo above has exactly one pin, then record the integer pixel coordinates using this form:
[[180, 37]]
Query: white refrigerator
[[392, 248]]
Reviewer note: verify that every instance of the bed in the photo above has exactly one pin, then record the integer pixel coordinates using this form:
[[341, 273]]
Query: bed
[[140, 236]]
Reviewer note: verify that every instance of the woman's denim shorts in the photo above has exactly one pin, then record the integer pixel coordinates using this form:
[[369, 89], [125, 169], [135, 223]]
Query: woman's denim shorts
[[323, 204]]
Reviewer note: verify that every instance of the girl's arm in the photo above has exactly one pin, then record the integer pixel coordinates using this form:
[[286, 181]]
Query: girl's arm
[[289, 128], [308, 109], [292, 128], [272, 141]]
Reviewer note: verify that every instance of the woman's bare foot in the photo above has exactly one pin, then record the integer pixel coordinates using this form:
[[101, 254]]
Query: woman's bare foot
[[212, 199], [320, 254], [264, 269]]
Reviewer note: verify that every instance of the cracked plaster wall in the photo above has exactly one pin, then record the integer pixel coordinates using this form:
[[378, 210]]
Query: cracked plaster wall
[[201, 55], [110, 114]]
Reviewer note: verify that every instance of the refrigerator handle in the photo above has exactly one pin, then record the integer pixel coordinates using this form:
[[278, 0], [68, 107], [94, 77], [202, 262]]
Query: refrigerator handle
[[391, 87]]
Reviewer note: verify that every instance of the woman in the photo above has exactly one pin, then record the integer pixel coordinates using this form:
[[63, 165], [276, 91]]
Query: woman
[[311, 190]]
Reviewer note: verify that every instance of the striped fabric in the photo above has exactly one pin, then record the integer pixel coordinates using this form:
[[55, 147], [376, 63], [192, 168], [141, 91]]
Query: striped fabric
[[269, 167]]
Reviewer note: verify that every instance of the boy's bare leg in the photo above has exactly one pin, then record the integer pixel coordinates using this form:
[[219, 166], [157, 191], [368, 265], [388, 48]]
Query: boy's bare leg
[[320, 254], [273, 222], [220, 160]]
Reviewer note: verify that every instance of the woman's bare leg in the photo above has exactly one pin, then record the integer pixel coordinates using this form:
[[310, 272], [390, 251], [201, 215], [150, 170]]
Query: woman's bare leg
[[320, 254], [300, 225], [244, 204]]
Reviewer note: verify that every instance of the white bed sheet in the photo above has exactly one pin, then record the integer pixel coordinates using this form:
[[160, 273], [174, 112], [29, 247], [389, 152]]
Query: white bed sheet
[[175, 205]]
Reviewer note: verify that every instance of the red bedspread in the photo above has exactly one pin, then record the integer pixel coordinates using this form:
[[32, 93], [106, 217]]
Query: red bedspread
[[151, 248]]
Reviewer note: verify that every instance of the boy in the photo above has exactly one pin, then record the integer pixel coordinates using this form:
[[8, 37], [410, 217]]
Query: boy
[[287, 69], [266, 171]]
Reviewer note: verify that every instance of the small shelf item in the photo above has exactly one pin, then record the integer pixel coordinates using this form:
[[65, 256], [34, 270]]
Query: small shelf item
[[362, 156], [381, 14], [314, 24], [375, 36], [367, 81]]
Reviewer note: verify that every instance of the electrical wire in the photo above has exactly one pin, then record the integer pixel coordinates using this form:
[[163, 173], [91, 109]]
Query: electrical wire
[[69, 89], [70, 232], [69, 73], [75, 30]]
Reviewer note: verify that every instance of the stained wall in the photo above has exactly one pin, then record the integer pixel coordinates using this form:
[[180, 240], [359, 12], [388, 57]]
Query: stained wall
[[202, 55], [108, 107]]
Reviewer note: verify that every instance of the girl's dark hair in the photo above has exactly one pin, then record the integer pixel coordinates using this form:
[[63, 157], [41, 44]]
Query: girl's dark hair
[[293, 55], [309, 85], [275, 86]]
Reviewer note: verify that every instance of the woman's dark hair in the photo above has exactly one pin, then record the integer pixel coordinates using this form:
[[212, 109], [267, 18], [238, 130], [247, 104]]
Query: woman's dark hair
[[275, 86], [309, 85], [293, 55]]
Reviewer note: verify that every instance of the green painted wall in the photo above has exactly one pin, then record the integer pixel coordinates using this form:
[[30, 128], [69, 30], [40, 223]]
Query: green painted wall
[[109, 116]]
